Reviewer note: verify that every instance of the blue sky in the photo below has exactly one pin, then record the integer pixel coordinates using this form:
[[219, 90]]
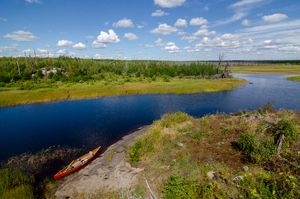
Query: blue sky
[[151, 29]]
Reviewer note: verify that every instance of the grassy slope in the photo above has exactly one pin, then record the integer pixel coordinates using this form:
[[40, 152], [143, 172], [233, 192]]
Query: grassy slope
[[265, 69], [188, 148], [294, 78], [64, 91]]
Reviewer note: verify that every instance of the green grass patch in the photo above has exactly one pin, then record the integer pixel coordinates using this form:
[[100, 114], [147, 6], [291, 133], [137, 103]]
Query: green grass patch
[[10, 96], [15, 184], [294, 78]]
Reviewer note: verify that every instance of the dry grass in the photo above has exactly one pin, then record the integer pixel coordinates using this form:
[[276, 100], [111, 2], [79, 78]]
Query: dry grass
[[267, 69]]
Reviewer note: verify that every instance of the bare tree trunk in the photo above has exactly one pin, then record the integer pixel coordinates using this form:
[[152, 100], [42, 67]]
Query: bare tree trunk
[[279, 143]]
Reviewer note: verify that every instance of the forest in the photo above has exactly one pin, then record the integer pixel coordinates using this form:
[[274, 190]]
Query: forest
[[77, 70]]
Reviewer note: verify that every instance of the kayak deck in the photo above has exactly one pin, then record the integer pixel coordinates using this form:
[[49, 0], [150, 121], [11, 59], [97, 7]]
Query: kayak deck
[[77, 164]]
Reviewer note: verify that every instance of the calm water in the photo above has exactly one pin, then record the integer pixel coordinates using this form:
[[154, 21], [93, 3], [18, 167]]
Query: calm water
[[102, 121]]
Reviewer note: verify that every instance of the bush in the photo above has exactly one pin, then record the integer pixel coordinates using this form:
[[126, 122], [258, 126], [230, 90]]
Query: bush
[[178, 187], [256, 149], [270, 186], [288, 128], [173, 119]]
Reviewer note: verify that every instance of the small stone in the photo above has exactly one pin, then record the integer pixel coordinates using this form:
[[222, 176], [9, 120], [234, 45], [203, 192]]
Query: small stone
[[246, 168], [238, 178], [211, 175], [179, 144]]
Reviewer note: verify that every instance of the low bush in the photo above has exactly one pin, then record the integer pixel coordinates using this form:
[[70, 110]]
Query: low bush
[[178, 187], [173, 119]]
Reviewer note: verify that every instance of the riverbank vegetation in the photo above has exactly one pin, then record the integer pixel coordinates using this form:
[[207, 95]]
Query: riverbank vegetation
[[36, 80], [125, 86], [245, 155], [294, 78], [267, 68]]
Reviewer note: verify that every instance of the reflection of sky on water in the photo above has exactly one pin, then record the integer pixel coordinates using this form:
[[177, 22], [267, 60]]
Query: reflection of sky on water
[[103, 121]]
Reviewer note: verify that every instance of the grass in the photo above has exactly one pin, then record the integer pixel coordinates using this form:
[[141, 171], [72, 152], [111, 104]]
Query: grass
[[178, 152], [267, 69], [294, 78], [15, 184], [10, 96]]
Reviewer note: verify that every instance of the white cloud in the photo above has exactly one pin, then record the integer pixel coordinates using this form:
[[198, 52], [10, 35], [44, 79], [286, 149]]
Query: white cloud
[[124, 23], [237, 16], [97, 56], [97, 44], [245, 3], [246, 22], [61, 52], [8, 48], [164, 29], [110, 37], [180, 23], [159, 42], [199, 21], [159, 13], [79, 46], [130, 36], [21, 36], [204, 32], [277, 17], [169, 3], [64, 43], [171, 47], [32, 1]]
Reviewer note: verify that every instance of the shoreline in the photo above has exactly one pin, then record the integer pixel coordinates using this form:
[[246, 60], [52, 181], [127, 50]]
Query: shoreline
[[14, 98], [108, 172]]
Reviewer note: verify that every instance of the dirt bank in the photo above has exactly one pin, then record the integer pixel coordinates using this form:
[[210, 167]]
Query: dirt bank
[[110, 172]]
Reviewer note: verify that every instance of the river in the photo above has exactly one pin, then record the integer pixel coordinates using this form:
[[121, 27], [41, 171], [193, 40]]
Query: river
[[93, 122]]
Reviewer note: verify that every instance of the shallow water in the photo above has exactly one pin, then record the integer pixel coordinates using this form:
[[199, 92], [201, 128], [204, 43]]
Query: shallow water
[[88, 123]]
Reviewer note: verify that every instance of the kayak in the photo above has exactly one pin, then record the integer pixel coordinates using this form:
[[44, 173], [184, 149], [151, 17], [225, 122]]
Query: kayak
[[77, 164]]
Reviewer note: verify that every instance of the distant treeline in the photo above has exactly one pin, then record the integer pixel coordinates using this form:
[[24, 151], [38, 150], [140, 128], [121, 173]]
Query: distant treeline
[[75, 69]]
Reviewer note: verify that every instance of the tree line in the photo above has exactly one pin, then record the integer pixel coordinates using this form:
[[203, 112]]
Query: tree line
[[75, 69]]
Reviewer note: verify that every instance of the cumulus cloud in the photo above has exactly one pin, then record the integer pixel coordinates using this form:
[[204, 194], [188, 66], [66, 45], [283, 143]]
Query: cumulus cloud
[[277, 17], [199, 21], [180, 23], [159, 13], [21, 36], [204, 32], [97, 56], [171, 47], [169, 3], [164, 29], [159, 42], [97, 44], [246, 22], [79, 46], [110, 37], [64, 42], [124, 23], [130, 36]]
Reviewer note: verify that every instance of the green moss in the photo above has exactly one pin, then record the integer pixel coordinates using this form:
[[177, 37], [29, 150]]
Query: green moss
[[294, 78]]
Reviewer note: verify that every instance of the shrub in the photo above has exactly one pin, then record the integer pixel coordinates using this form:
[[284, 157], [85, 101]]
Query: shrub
[[178, 187], [173, 119], [288, 128], [256, 149], [269, 186]]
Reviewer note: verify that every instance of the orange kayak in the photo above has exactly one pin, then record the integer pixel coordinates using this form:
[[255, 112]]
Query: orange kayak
[[77, 164]]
